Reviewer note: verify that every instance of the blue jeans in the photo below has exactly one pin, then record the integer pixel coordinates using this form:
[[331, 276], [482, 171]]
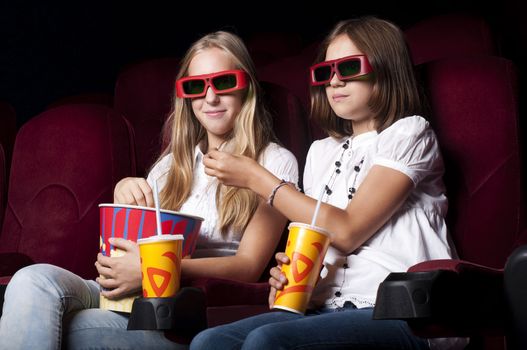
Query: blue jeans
[[343, 328], [46, 307]]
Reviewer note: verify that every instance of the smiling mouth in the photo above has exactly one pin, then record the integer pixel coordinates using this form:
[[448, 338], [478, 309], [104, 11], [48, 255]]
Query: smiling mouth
[[215, 113]]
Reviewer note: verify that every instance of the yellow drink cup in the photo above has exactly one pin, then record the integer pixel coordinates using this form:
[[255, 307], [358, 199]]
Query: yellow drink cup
[[160, 265], [306, 248]]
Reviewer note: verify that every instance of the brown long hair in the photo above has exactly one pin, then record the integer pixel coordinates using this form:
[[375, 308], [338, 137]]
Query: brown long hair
[[395, 91], [252, 132]]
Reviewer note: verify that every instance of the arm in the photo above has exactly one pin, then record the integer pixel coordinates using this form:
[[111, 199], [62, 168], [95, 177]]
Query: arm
[[379, 196], [256, 248]]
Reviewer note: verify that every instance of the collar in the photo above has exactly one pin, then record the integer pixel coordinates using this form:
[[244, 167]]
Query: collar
[[198, 154], [363, 139]]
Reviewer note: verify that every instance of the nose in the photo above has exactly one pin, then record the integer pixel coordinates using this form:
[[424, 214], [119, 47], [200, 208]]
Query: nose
[[335, 81], [211, 97]]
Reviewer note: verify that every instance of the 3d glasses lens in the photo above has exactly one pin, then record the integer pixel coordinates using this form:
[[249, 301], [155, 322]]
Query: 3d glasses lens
[[192, 87], [224, 82], [322, 73], [349, 68]]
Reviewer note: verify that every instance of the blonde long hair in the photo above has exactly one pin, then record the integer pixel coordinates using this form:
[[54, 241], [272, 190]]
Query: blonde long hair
[[252, 132], [395, 90]]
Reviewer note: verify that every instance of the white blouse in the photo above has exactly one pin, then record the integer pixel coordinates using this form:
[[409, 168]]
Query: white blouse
[[202, 200], [416, 232]]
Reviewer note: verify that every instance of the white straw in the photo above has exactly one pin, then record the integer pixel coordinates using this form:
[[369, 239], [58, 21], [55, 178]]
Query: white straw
[[317, 208], [158, 212]]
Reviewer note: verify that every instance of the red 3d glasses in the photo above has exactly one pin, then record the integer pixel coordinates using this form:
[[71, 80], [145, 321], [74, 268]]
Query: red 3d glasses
[[220, 82], [346, 68]]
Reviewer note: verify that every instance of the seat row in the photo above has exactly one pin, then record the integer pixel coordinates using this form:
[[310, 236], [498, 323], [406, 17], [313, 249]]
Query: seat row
[[67, 160]]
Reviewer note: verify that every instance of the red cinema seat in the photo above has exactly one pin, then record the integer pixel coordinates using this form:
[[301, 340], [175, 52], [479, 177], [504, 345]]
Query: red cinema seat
[[475, 115], [97, 98], [143, 94], [66, 161], [451, 35]]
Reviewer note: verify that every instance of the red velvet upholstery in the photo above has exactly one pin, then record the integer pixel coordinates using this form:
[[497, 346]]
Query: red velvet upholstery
[[450, 35], [143, 94], [476, 119], [65, 162], [475, 107]]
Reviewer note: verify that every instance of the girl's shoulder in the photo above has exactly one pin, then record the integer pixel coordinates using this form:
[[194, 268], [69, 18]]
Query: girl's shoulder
[[164, 163], [275, 156], [275, 150], [325, 145], [408, 126], [280, 161], [406, 132]]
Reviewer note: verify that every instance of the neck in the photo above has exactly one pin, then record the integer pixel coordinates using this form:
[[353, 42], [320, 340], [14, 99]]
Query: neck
[[214, 142], [363, 126]]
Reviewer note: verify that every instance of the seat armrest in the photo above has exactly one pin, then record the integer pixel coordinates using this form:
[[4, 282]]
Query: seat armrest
[[223, 292], [515, 287], [12, 262], [442, 298]]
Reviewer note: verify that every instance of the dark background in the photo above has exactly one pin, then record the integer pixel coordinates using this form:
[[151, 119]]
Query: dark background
[[58, 49]]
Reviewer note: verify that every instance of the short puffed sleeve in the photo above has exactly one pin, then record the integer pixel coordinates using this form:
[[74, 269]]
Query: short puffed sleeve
[[280, 162], [410, 146]]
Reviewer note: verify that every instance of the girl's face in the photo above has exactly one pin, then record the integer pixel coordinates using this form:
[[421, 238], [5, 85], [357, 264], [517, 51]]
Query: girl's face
[[349, 99], [216, 113]]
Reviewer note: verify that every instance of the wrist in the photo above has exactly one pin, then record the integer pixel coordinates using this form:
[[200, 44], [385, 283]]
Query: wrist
[[254, 176]]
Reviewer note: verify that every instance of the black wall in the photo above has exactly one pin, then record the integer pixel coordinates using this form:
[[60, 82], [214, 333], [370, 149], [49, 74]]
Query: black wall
[[58, 49]]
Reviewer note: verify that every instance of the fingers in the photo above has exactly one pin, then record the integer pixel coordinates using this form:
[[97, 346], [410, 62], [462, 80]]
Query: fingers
[[133, 191], [210, 164], [107, 283], [123, 244], [214, 154], [272, 296], [103, 260], [277, 279], [137, 195], [281, 258], [103, 270], [147, 193], [113, 293]]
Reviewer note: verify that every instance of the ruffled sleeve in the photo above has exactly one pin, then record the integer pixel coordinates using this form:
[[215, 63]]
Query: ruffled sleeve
[[410, 146], [281, 162]]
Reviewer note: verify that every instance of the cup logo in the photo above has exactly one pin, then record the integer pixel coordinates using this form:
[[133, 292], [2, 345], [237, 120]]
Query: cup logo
[[301, 266], [159, 279], [308, 266]]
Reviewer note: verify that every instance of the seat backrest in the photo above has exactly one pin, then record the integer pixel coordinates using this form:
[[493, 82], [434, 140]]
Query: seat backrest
[[289, 118], [292, 73], [266, 47], [475, 114], [144, 94], [97, 98], [451, 35], [66, 161]]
